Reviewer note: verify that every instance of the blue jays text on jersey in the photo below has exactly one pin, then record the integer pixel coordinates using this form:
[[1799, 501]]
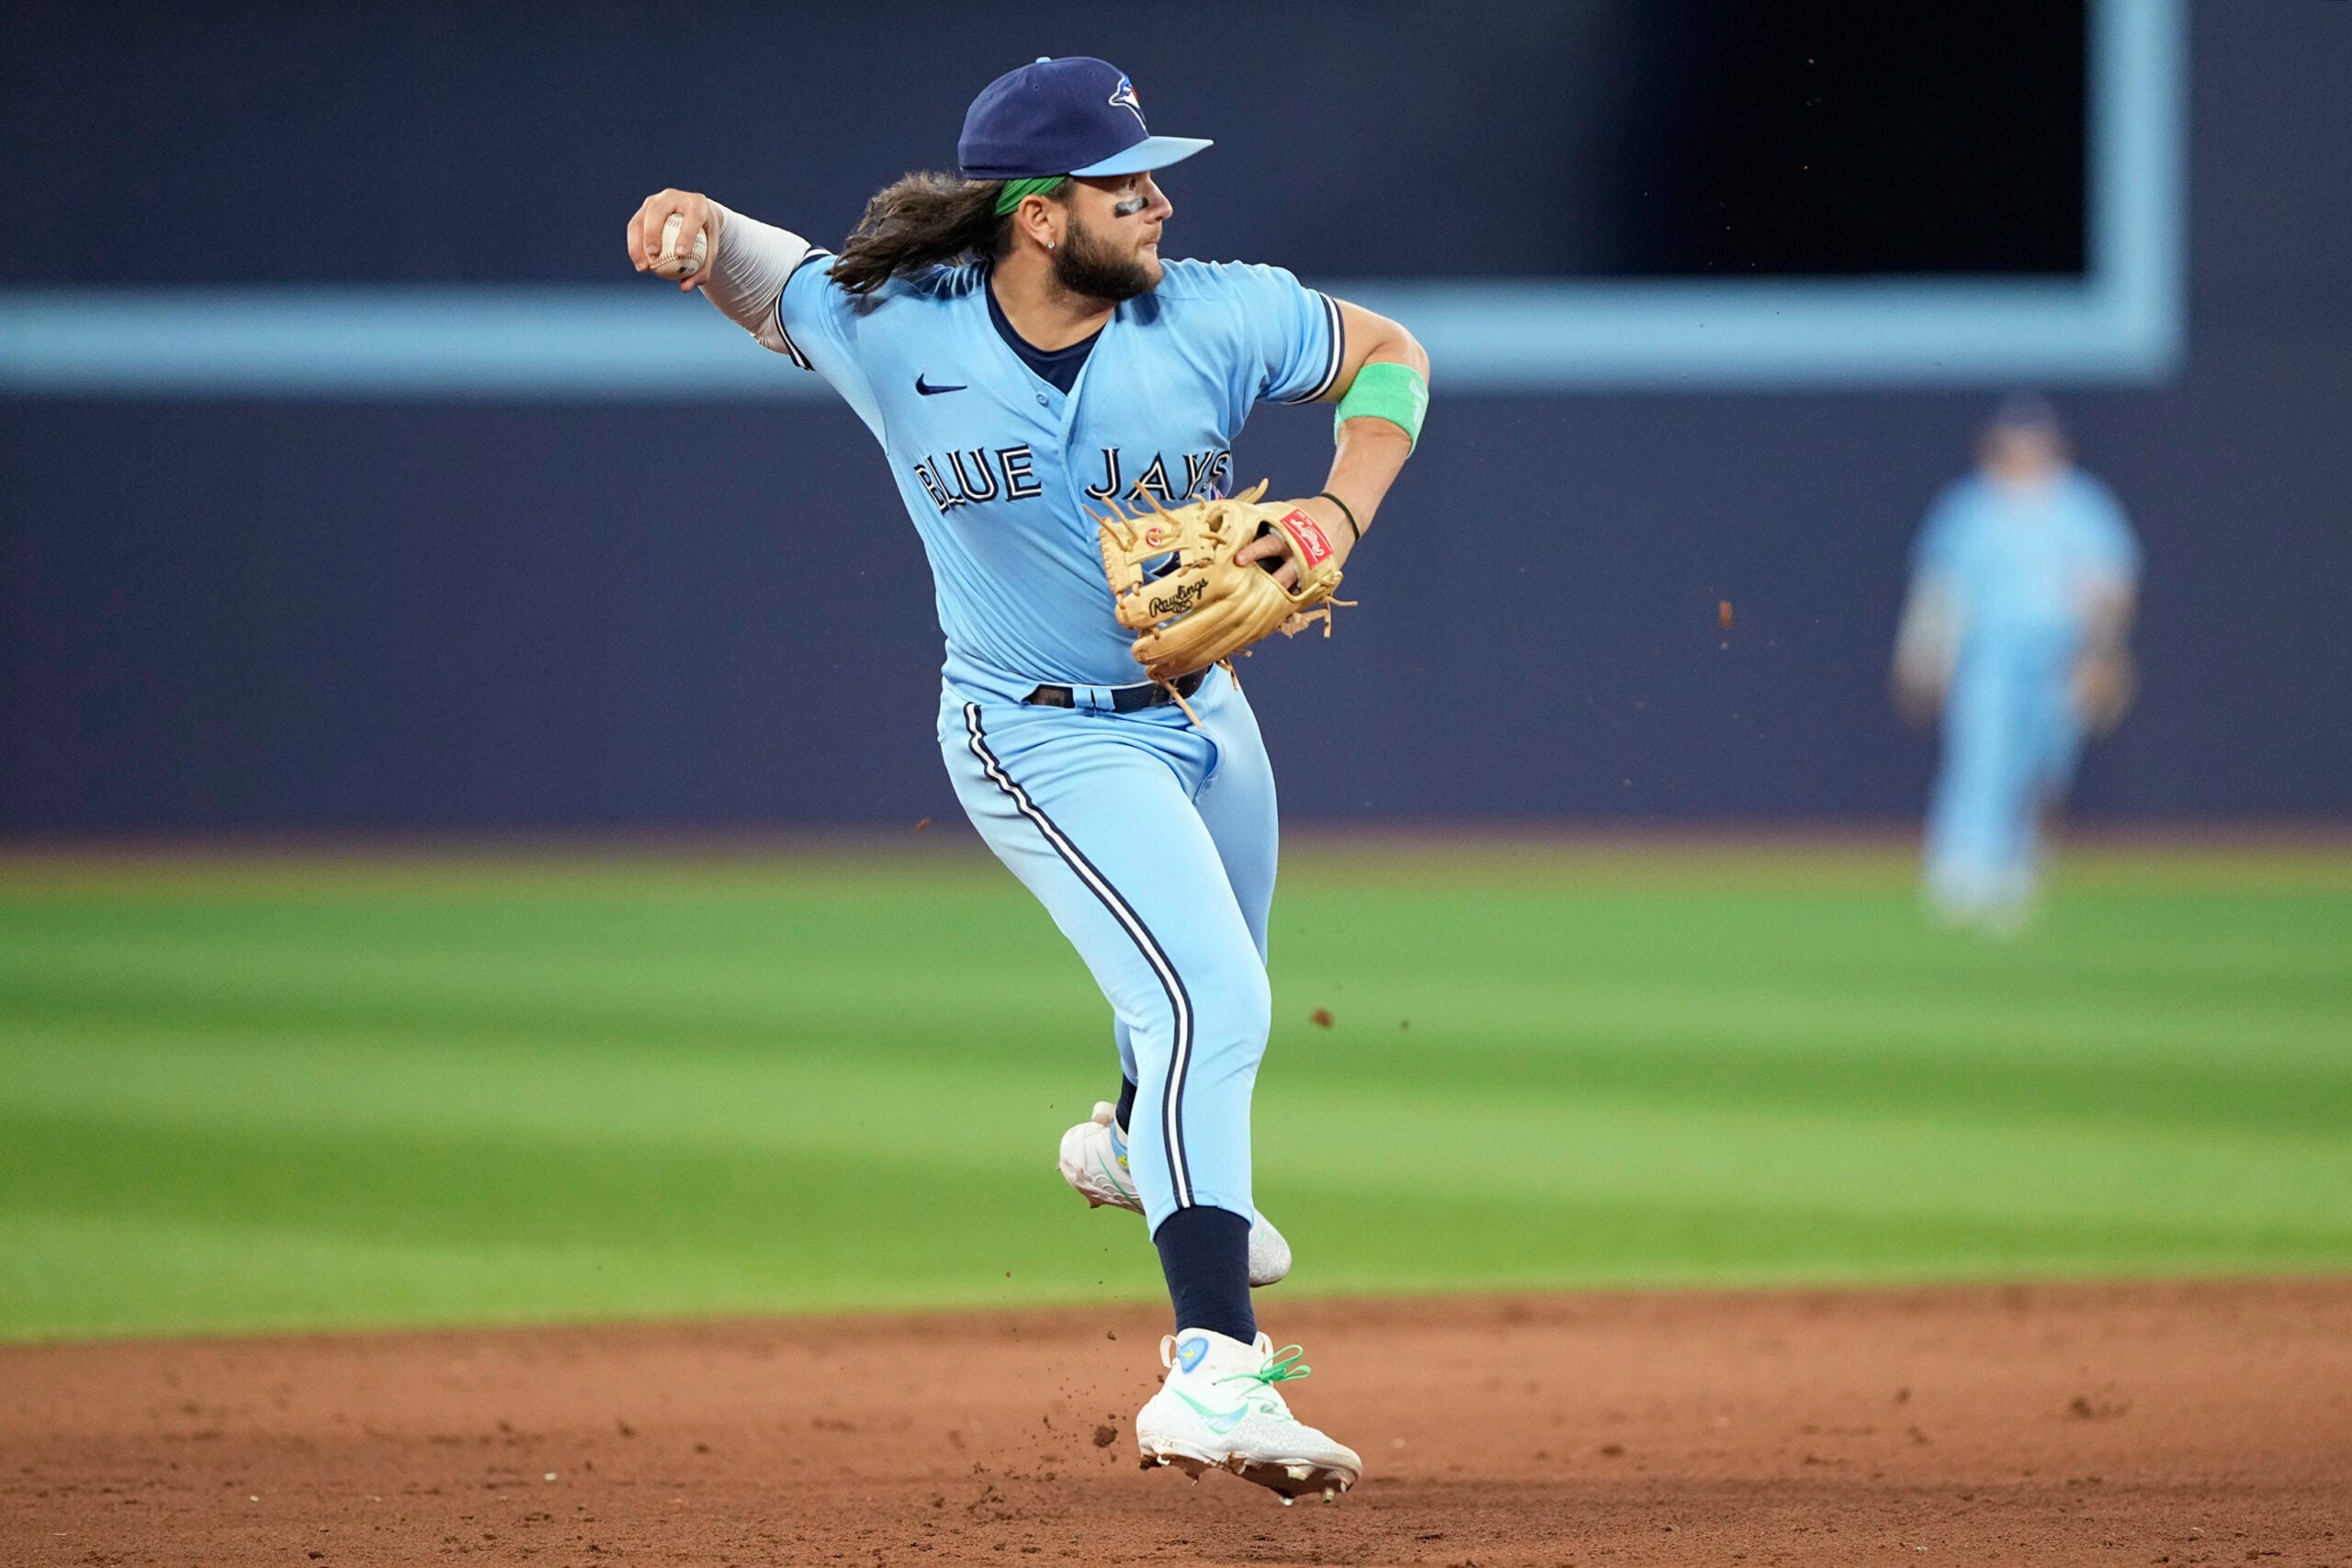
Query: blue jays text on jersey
[[1000, 468], [982, 475]]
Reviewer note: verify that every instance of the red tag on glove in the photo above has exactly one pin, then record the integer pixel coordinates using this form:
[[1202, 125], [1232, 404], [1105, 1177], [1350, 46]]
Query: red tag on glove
[[1314, 550]]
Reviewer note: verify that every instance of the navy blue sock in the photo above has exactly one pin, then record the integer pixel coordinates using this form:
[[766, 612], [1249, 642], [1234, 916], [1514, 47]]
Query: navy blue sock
[[1205, 1255], [1126, 1105]]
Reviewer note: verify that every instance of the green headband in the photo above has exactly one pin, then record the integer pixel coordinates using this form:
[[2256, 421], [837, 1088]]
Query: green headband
[[1010, 197]]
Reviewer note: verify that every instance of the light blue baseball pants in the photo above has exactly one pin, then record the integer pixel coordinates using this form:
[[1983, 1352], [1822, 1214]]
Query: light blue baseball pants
[[1152, 844], [2011, 741]]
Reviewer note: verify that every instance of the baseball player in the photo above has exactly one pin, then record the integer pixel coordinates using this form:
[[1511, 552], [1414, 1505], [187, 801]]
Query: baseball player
[[2024, 580], [1028, 361]]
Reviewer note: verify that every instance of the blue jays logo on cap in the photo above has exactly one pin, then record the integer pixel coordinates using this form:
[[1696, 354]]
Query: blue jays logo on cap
[[1125, 92], [1063, 116]]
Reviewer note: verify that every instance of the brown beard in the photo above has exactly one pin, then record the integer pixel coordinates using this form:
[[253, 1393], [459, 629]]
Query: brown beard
[[1085, 264]]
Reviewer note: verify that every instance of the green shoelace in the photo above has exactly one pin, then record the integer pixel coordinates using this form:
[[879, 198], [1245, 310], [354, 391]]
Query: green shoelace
[[1281, 1368]]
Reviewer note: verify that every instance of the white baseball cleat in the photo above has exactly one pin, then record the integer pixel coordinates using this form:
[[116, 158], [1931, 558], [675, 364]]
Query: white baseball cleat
[[1094, 1161], [1219, 1408]]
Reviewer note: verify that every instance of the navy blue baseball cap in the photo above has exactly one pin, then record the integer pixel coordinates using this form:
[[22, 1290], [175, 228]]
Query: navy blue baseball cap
[[2026, 410], [1077, 116]]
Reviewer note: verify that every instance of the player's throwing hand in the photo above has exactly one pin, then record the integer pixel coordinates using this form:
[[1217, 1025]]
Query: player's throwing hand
[[697, 216]]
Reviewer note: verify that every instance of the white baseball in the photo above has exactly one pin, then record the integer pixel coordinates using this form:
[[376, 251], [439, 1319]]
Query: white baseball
[[669, 263]]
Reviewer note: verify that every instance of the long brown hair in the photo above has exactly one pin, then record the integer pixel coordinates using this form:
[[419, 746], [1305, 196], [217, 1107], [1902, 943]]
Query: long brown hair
[[921, 221]]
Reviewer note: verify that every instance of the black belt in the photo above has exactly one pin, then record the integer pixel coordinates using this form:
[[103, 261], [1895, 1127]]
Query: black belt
[[1124, 699]]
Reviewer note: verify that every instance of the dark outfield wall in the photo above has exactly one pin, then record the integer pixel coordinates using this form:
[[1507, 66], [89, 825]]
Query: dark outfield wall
[[268, 614]]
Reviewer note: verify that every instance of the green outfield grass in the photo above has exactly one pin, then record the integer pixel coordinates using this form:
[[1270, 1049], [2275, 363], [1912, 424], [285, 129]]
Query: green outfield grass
[[302, 1094]]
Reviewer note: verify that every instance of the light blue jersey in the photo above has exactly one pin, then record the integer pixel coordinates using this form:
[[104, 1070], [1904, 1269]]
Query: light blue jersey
[[999, 467], [2021, 564]]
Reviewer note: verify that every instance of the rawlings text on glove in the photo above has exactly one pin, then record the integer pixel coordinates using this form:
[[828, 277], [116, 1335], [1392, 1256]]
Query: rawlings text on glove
[[1204, 608]]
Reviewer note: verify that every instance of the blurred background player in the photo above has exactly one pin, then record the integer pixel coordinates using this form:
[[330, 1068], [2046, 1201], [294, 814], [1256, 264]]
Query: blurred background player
[[2024, 580]]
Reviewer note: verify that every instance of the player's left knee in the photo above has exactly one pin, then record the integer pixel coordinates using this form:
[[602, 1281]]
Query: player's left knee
[[1242, 1013]]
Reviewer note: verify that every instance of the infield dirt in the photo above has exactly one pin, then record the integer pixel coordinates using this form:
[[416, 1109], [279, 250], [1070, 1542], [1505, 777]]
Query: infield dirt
[[2109, 1424]]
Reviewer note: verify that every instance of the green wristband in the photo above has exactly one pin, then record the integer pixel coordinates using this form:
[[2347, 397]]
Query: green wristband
[[1385, 389]]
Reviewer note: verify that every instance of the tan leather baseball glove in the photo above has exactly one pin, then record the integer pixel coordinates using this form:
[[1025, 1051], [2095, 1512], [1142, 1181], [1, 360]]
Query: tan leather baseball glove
[[1204, 607]]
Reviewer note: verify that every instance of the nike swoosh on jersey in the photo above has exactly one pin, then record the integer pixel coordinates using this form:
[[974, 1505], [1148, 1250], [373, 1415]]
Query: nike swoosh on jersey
[[928, 391]]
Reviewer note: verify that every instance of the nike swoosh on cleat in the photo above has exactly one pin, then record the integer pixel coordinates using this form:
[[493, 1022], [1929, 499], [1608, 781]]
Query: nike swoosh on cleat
[[929, 390], [1220, 1422], [1117, 1186]]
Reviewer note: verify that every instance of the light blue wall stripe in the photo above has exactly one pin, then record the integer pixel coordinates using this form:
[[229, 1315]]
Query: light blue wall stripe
[[641, 344], [637, 342]]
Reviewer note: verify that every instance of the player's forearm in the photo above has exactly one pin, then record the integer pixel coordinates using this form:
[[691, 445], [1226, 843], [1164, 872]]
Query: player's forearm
[[1927, 644], [750, 267], [2107, 621], [1927, 638], [1371, 453], [1371, 449]]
